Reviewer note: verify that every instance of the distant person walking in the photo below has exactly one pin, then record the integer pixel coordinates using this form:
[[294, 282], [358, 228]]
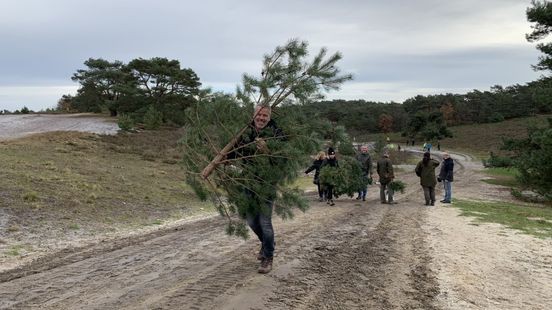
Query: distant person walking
[[330, 161], [386, 175], [316, 165], [446, 176], [438, 145], [425, 169], [365, 162]]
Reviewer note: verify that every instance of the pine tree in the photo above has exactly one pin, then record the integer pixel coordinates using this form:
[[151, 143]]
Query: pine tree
[[218, 121]]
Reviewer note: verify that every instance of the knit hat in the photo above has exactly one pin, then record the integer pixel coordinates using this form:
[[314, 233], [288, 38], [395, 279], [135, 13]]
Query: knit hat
[[331, 151]]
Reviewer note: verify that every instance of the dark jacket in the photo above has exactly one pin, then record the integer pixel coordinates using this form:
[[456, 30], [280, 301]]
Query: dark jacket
[[385, 170], [246, 145], [316, 165], [447, 169], [365, 162], [253, 161], [427, 173], [332, 162]]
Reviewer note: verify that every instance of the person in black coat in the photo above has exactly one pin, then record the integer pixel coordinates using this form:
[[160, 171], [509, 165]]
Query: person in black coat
[[332, 162], [446, 175], [316, 165]]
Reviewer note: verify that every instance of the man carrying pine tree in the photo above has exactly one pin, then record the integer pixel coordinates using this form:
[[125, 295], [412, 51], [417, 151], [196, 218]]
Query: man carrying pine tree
[[259, 196]]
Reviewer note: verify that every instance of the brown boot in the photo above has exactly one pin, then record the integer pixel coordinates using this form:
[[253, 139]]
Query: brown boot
[[266, 265]]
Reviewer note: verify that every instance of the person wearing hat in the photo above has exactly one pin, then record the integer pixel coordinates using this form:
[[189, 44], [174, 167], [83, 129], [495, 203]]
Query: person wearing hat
[[446, 175], [425, 169], [386, 175], [330, 161]]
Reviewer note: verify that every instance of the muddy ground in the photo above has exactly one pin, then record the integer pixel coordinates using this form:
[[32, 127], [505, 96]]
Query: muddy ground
[[351, 256]]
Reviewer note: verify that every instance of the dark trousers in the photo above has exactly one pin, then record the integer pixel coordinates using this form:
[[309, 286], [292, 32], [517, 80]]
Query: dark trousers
[[429, 194], [320, 190], [261, 224], [329, 192], [384, 187]]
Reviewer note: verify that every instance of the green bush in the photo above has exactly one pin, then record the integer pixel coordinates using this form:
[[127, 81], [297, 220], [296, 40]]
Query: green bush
[[498, 161], [495, 118], [125, 122], [534, 159], [152, 118]]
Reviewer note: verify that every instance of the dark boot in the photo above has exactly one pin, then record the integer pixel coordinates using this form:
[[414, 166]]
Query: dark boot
[[266, 265]]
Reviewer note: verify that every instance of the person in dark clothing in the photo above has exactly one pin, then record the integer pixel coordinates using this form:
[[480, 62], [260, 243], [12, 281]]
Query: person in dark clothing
[[446, 176], [252, 147], [330, 161], [365, 162], [316, 165], [386, 175], [425, 169]]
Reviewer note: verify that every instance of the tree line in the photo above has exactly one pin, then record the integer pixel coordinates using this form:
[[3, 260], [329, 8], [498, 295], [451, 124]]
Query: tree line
[[138, 89], [495, 105]]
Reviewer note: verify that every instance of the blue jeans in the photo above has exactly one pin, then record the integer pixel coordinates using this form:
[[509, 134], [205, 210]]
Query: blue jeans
[[261, 224], [362, 193], [448, 190]]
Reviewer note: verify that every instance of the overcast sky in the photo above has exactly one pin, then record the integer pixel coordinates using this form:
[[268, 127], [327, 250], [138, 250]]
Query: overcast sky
[[395, 49]]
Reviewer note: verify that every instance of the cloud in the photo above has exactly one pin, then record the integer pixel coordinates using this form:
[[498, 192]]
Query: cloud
[[420, 45]]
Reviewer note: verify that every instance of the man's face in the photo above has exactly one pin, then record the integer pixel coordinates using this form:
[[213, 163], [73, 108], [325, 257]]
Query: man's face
[[262, 117], [364, 149]]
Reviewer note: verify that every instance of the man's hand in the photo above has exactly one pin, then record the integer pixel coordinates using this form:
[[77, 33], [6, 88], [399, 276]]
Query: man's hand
[[261, 145]]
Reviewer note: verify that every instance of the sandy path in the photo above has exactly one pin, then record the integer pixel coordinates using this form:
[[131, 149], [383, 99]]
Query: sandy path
[[16, 126]]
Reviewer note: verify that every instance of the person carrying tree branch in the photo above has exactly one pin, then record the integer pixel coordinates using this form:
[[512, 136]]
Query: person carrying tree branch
[[257, 162]]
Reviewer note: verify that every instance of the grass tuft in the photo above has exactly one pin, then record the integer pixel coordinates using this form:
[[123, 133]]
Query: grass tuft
[[536, 221]]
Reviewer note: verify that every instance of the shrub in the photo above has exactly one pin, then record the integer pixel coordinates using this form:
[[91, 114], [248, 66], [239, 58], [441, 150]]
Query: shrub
[[125, 122], [495, 118], [534, 159], [152, 118], [498, 161]]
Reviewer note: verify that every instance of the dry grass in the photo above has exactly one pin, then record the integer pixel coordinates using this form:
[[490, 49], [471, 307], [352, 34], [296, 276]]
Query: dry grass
[[476, 139], [87, 180], [480, 139]]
